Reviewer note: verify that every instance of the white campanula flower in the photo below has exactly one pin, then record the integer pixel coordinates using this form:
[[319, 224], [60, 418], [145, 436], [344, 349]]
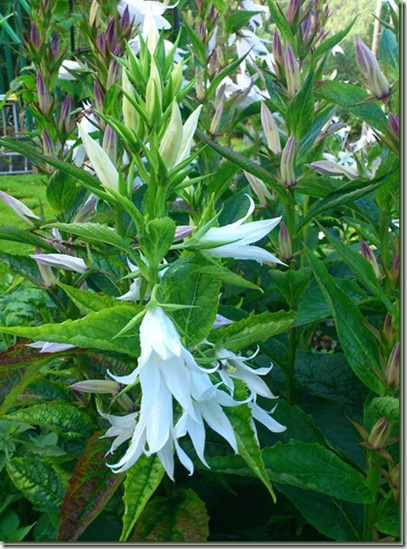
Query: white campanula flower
[[48, 347], [64, 261], [167, 372], [248, 43], [19, 207], [256, 20], [234, 240], [138, 9]]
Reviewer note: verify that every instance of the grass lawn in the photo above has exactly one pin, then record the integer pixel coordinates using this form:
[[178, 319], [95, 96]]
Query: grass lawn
[[30, 189]]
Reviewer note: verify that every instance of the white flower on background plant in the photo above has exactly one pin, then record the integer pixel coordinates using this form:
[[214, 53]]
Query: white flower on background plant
[[256, 20], [138, 9], [247, 42], [49, 347], [234, 240], [20, 209], [64, 261], [244, 90], [166, 371], [68, 68]]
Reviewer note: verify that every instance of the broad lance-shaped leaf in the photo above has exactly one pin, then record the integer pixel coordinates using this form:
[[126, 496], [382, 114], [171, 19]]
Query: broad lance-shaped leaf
[[37, 481], [241, 420], [180, 518], [311, 466], [88, 301], [94, 331], [358, 343], [388, 407], [300, 111], [328, 43], [14, 234], [94, 232], [252, 329], [157, 239], [141, 482], [60, 417], [363, 269], [91, 486]]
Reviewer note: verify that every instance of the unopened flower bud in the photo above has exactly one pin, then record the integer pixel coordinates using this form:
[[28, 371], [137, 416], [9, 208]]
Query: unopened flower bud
[[125, 21], [130, 115], [34, 36], [259, 188], [154, 95], [114, 69], [98, 386], [110, 144], [394, 477], [43, 95], [216, 119], [287, 163], [388, 328], [369, 255], [64, 119], [379, 434], [306, 29], [47, 143], [201, 30], [55, 45], [393, 367], [368, 64], [94, 13], [293, 9], [292, 71], [328, 167], [98, 95], [199, 88], [46, 272], [182, 231], [213, 65], [171, 142], [394, 123], [278, 50], [64, 261], [270, 130], [286, 252], [20, 208], [101, 42], [111, 35]]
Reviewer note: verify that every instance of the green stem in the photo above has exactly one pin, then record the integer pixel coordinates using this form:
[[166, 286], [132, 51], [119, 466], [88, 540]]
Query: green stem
[[373, 477], [292, 347]]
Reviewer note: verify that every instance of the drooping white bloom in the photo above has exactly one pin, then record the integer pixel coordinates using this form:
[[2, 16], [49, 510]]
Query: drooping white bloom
[[100, 161], [20, 209], [256, 20], [249, 43], [138, 10], [233, 240], [244, 86], [68, 262], [68, 67], [167, 372]]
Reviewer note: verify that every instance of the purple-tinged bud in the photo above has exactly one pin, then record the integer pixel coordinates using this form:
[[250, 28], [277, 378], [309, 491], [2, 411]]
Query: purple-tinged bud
[[212, 14], [20, 208], [293, 9], [369, 66], [43, 95], [101, 42], [393, 367], [394, 123], [48, 147], [34, 36], [287, 173], [114, 72], [182, 231], [55, 45], [213, 65], [99, 96], [111, 35], [217, 118], [286, 251], [64, 261], [64, 121], [278, 51], [292, 71], [85, 212], [199, 4], [125, 21], [259, 188], [369, 255], [315, 21], [270, 130], [201, 30], [98, 386], [325, 12], [328, 167], [306, 29], [379, 434], [110, 143]]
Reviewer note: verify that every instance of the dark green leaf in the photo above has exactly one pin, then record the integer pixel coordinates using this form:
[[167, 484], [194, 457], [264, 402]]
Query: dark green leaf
[[300, 110], [62, 191], [14, 234], [90, 302], [328, 43], [157, 239], [389, 54], [388, 521], [238, 19], [388, 407]]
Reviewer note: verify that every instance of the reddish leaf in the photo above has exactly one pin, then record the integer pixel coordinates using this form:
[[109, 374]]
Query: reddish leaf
[[91, 486]]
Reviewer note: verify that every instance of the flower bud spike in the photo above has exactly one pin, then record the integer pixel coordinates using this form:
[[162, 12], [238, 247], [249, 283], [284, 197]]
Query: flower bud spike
[[285, 243], [43, 95], [270, 130], [287, 163], [369, 255], [55, 45], [292, 71]]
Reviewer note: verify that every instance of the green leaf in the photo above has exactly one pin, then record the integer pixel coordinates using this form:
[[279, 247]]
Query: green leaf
[[334, 519], [291, 284], [252, 329], [198, 48], [247, 443], [94, 232], [358, 343], [142, 480], [388, 407], [348, 192], [180, 518], [62, 191], [363, 270], [90, 302], [306, 144], [9, 530], [388, 521], [228, 277], [389, 54], [184, 284], [157, 239], [94, 331], [238, 19], [300, 110], [328, 43], [14, 234], [226, 71], [281, 22], [91, 486], [64, 419], [311, 466], [38, 482], [351, 97]]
